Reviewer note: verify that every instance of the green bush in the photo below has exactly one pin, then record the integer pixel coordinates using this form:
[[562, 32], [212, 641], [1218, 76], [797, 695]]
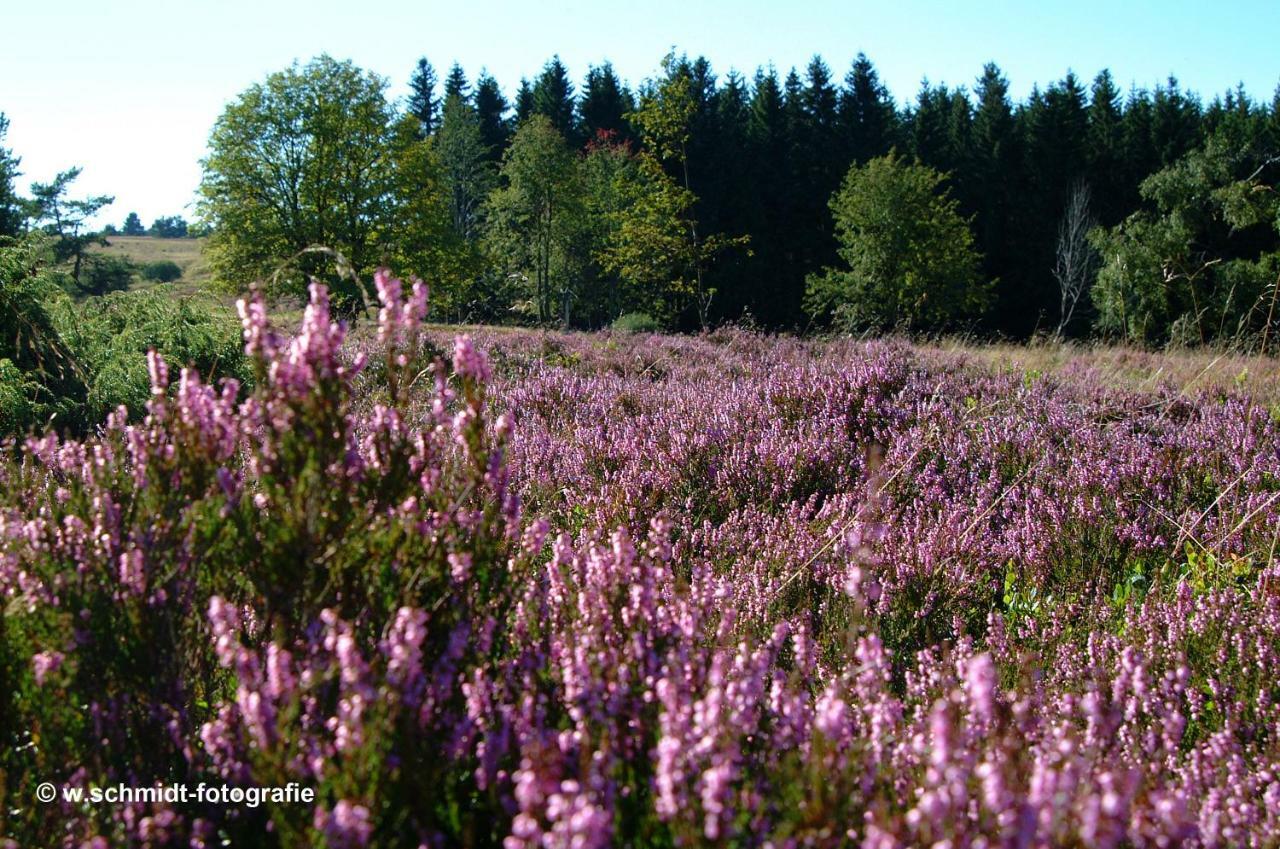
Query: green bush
[[110, 337], [102, 274], [162, 271], [636, 322]]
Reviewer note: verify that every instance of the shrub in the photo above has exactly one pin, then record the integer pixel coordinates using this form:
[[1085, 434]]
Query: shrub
[[111, 336], [636, 322], [101, 274], [162, 271], [262, 593]]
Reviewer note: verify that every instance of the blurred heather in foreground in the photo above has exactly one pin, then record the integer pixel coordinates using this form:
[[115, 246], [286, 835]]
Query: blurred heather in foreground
[[542, 590]]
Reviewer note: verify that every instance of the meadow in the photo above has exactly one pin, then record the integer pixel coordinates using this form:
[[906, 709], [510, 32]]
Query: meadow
[[522, 588]]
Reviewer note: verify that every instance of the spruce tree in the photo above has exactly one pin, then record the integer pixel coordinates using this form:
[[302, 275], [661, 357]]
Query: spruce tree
[[1139, 153], [525, 106], [1104, 152], [931, 127], [423, 103], [491, 109], [605, 104], [553, 97], [733, 200], [777, 294], [456, 85], [1175, 123], [868, 119], [996, 186], [466, 167]]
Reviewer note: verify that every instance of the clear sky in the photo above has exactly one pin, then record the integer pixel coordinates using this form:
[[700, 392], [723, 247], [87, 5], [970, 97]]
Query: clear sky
[[129, 90]]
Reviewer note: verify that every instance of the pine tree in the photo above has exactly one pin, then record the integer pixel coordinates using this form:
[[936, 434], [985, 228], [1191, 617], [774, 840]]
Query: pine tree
[[456, 85], [605, 104], [491, 108], [423, 103], [12, 216], [553, 97], [133, 225], [868, 119]]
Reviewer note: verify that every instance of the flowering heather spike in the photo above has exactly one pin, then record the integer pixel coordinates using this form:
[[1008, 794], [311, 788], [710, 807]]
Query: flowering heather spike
[[469, 362], [159, 372]]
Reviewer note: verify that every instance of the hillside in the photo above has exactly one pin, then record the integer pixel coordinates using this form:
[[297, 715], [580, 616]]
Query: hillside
[[187, 253]]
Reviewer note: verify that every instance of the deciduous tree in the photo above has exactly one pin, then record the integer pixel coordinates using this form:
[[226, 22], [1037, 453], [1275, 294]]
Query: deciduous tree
[[909, 253]]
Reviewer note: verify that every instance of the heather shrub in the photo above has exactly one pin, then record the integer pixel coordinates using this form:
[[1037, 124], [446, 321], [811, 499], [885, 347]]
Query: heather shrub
[[227, 580], [643, 590]]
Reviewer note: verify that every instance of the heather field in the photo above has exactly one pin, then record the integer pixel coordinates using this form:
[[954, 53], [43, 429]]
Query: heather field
[[525, 589]]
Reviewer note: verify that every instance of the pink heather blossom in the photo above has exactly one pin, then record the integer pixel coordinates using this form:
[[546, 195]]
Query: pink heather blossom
[[347, 826], [468, 361], [44, 664]]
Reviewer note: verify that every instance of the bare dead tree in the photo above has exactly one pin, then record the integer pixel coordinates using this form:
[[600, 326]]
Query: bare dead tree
[[1077, 261]]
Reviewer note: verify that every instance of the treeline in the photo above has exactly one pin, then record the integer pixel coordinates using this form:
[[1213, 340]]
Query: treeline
[[164, 227], [698, 198]]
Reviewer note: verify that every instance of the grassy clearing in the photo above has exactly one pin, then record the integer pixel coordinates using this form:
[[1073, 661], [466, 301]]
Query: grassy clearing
[[187, 253]]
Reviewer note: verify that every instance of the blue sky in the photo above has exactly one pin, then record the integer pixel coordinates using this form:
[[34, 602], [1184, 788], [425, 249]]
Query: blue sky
[[129, 90]]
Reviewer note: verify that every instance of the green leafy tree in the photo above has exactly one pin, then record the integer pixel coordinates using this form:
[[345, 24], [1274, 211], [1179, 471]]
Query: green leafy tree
[[536, 218], [1202, 262], [300, 161], [651, 248], [910, 255], [66, 220], [608, 172], [423, 237], [133, 225]]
